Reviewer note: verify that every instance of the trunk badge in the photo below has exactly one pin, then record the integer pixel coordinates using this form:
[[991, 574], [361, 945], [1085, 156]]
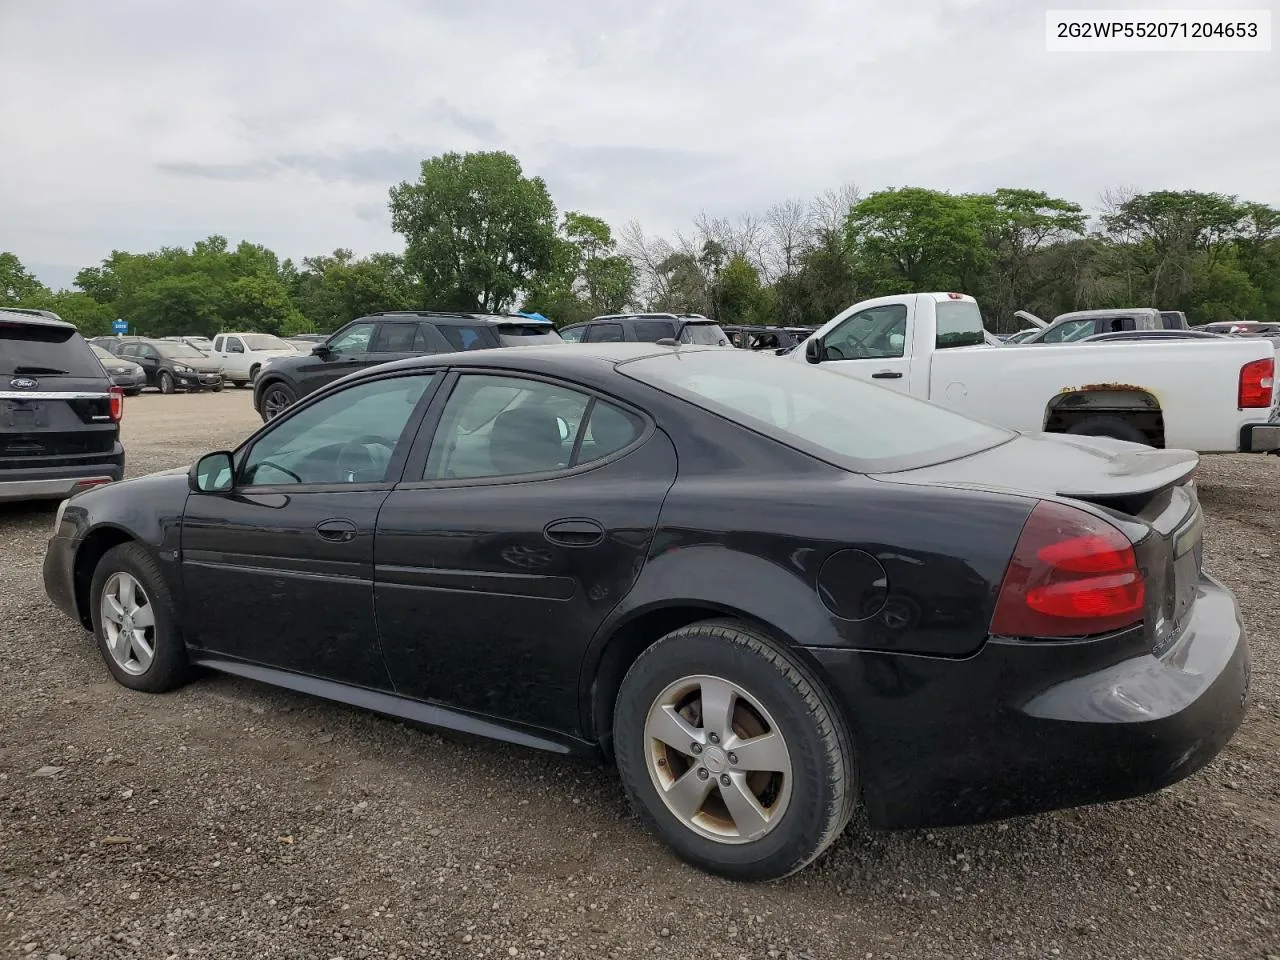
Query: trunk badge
[[23, 383]]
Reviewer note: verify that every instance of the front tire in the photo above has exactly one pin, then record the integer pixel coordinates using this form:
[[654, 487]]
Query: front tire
[[135, 622], [275, 400], [740, 760], [165, 382]]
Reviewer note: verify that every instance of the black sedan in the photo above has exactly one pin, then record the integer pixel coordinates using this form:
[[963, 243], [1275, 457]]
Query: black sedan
[[771, 594]]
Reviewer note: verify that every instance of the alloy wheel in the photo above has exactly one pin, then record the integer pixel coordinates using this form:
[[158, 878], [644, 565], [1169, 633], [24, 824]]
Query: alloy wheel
[[718, 760], [129, 623], [275, 402]]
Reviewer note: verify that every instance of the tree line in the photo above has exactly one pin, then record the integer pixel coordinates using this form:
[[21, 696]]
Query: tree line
[[480, 235]]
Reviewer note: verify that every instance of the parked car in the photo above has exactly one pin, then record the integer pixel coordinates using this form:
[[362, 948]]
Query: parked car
[[1242, 328], [1068, 327], [59, 411], [243, 354], [1149, 336], [169, 365], [647, 328], [125, 374], [1214, 396], [775, 340], [383, 337], [1174, 320], [583, 549]]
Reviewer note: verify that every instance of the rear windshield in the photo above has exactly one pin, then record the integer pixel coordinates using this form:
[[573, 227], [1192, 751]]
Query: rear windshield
[[264, 341], [34, 350], [527, 335], [704, 334], [843, 421], [959, 324]]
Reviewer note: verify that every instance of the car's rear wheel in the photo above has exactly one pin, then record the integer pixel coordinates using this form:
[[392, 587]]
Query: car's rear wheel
[[275, 399], [135, 622], [165, 382], [739, 758]]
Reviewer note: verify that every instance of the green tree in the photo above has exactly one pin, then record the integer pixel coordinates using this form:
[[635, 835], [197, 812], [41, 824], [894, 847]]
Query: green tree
[[17, 284], [477, 231], [739, 297], [1018, 224], [587, 277]]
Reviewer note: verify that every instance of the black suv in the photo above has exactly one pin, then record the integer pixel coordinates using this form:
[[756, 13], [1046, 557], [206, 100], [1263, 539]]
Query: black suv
[[383, 337], [648, 328], [59, 412], [170, 365]]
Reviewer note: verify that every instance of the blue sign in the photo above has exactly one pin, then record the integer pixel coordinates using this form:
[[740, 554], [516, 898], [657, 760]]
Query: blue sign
[[120, 327]]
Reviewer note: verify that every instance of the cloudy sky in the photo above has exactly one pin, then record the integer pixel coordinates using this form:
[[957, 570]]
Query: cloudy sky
[[133, 124]]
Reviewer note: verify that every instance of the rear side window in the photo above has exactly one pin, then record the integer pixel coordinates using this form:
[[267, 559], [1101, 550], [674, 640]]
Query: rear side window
[[604, 333], [29, 349], [651, 331], [959, 324], [572, 334]]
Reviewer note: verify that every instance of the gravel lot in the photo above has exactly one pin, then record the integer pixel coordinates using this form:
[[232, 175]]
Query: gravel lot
[[231, 820]]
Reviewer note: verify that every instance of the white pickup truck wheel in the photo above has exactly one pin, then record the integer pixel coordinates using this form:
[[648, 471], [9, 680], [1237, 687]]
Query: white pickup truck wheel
[[1114, 427]]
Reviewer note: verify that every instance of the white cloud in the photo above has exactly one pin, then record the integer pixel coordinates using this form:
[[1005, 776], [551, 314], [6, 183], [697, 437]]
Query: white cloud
[[135, 124]]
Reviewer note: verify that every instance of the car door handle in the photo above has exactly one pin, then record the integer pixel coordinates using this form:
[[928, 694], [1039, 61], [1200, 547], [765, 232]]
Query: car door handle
[[574, 532], [887, 375], [336, 531]]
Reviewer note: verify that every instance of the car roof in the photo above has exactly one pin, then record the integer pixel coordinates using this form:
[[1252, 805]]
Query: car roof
[[484, 318], [36, 318], [562, 357]]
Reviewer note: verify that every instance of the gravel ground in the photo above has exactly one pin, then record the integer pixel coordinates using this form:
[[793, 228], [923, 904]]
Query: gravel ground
[[231, 820]]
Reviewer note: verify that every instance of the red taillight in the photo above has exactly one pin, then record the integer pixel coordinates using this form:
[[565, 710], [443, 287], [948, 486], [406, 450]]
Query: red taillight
[[1257, 383], [117, 403], [1072, 575]]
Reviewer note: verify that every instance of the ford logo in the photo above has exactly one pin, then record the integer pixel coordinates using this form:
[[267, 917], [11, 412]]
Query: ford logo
[[23, 383]]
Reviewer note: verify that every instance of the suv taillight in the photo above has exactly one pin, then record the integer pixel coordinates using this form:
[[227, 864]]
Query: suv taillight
[[1072, 575], [1257, 382], [116, 395]]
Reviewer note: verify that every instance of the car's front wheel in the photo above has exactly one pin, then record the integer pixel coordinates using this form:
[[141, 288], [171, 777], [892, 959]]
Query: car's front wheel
[[740, 758], [165, 382], [135, 622], [276, 399]]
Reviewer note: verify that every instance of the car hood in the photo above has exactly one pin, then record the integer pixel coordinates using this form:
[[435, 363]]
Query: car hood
[[1086, 468]]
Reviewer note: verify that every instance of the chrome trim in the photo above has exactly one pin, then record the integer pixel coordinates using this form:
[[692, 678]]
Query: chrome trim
[[45, 395]]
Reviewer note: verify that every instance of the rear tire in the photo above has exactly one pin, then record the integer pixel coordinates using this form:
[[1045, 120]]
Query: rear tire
[[747, 820], [1113, 427], [135, 622], [165, 382]]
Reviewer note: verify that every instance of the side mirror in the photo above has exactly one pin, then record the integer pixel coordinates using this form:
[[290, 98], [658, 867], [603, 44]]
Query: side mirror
[[813, 350], [563, 424], [212, 473], [322, 351]]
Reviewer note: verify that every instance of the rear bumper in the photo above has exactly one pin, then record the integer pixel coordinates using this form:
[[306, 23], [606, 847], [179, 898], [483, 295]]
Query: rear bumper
[[1260, 438], [57, 483], [1023, 728], [130, 381]]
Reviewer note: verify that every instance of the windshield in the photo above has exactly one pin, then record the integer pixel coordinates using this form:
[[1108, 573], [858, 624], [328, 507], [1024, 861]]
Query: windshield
[[50, 351], [831, 416], [264, 341], [178, 351], [704, 334]]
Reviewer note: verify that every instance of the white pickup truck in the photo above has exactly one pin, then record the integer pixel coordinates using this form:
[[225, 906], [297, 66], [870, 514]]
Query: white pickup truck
[[242, 355], [1205, 395]]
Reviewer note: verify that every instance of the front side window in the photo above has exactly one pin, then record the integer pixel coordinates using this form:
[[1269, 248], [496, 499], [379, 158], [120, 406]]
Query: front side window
[[836, 418], [495, 426], [878, 333], [573, 334], [354, 339], [348, 437], [1068, 331]]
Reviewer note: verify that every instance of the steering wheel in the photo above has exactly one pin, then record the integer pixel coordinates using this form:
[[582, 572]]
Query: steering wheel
[[361, 444], [837, 353]]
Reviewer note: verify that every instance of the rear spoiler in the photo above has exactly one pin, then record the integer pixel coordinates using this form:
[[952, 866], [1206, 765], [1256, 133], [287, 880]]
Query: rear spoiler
[[1134, 473]]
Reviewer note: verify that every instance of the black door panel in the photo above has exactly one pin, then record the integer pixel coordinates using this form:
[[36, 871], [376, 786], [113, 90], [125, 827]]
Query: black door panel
[[478, 609], [263, 584]]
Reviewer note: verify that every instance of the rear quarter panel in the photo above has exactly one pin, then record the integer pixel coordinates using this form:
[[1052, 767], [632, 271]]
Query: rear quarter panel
[[1195, 382]]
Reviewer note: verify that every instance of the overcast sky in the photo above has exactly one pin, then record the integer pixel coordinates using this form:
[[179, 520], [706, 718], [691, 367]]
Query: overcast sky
[[133, 124]]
